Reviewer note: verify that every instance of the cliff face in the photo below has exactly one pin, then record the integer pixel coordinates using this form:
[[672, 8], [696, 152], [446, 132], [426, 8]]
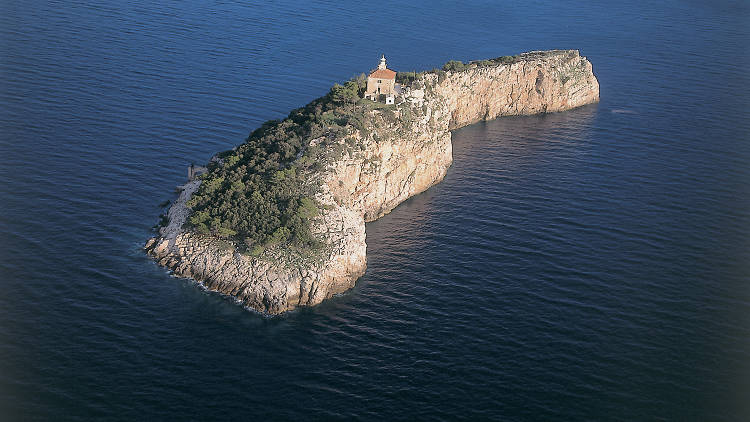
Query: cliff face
[[407, 150]]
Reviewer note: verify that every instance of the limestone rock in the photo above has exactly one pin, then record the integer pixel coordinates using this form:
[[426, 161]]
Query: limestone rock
[[402, 156]]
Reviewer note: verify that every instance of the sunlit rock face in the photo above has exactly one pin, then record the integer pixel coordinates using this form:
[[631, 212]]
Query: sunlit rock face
[[407, 150]]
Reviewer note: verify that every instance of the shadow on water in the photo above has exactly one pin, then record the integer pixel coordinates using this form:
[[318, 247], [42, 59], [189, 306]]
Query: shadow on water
[[429, 230]]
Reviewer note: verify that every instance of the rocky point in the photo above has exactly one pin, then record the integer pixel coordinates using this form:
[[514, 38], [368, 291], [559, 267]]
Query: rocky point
[[407, 150]]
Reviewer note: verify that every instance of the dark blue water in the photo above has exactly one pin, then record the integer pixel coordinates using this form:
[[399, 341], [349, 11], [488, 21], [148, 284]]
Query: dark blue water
[[588, 265]]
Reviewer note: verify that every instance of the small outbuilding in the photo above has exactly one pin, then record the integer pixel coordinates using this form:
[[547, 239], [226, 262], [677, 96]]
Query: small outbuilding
[[381, 84]]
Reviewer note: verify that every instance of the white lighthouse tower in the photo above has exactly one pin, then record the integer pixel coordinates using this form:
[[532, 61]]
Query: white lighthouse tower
[[382, 63]]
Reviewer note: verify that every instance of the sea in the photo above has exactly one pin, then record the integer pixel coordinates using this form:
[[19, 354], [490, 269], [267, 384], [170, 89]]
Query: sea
[[585, 265]]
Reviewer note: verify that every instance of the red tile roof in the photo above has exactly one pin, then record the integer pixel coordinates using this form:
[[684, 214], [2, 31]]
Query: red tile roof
[[383, 74]]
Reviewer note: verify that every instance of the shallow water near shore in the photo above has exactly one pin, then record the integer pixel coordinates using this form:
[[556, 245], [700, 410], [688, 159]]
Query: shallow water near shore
[[591, 264]]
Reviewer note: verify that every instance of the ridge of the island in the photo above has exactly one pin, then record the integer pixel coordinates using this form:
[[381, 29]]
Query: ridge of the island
[[279, 221]]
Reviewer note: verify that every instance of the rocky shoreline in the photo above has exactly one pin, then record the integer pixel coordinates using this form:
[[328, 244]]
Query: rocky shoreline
[[406, 151]]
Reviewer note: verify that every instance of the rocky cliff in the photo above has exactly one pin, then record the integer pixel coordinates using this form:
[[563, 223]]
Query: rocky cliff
[[406, 149]]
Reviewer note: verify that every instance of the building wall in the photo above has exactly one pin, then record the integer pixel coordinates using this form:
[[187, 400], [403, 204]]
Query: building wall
[[386, 86]]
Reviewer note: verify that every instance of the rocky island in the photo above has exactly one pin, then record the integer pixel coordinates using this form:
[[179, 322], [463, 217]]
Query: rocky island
[[279, 221]]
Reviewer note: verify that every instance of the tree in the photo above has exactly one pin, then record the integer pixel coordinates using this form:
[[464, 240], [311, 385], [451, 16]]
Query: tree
[[454, 65], [361, 80], [346, 94]]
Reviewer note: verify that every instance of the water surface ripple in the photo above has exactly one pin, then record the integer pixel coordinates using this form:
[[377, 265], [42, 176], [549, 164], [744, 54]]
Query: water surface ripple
[[587, 265]]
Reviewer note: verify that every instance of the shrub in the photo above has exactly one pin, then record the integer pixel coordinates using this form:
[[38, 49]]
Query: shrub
[[257, 250], [505, 59], [260, 194], [225, 232], [454, 66], [405, 78], [441, 75], [346, 94], [199, 217]]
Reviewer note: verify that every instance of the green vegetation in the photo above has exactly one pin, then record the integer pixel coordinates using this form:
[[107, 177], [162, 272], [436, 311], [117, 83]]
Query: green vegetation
[[257, 195], [454, 66], [349, 93], [261, 194], [406, 78], [457, 66], [498, 60], [441, 74]]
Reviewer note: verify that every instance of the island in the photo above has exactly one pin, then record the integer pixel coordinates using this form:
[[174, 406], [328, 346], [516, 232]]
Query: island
[[278, 222]]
